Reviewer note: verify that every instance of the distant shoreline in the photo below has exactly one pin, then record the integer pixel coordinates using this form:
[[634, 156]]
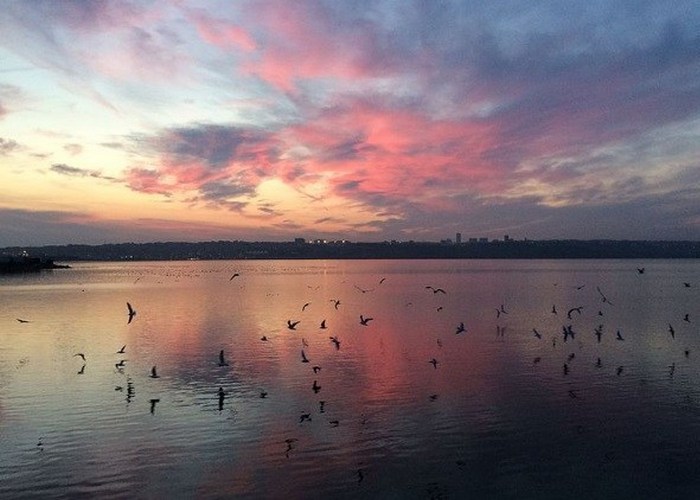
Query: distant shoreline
[[240, 250]]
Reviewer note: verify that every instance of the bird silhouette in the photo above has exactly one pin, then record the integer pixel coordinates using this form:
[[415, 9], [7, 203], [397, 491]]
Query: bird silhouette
[[122, 350], [460, 328], [235, 275], [537, 334], [303, 308], [554, 309], [686, 318], [436, 290], [316, 369], [323, 325], [304, 359], [336, 303], [131, 312], [80, 355], [618, 336], [641, 270], [305, 417], [433, 362], [292, 325], [364, 321], [671, 331], [336, 342], [20, 320], [315, 387], [574, 309], [154, 374]]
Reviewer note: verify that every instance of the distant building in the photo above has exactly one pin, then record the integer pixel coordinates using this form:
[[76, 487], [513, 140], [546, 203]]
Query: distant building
[[483, 240], [473, 240], [506, 238], [458, 238], [299, 240]]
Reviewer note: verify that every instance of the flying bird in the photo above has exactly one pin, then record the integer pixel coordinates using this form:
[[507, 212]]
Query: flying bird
[[235, 275], [323, 325], [671, 331], [433, 362], [20, 320], [460, 328], [336, 303], [315, 387], [618, 336], [131, 312], [574, 309], [336, 342], [364, 321], [304, 359], [435, 290], [292, 325], [121, 351], [80, 355], [641, 270], [303, 308], [537, 334], [154, 374]]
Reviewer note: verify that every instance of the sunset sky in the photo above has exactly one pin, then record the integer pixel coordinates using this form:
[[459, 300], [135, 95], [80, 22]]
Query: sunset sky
[[366, 120]]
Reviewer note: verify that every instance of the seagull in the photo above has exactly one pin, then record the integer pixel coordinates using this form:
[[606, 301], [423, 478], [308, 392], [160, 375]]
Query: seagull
[[263, 394], [641, 270], [439, 343], [599, 332], [619, 336], [334, 423], [554, 309], [263, 338], [121, 351], [686, 284], [602, 295], [574, 309], [292, 325], [364, 321], [336, 342], [79, 354], [537, 334], [304, 359], [503, 309], [316, 369], [460, 328], [619, 369], [82, 370], [323, 325], [235, 275], [305, 417], [23, 320], [303, 308], [153, 373], [336, 303], [120, 365], [433, 362], [316, 388], [382, 280], [671, 331], [686, 318], [222, 362], [436, 290], [132, 312], [304, 342], [364, 290]]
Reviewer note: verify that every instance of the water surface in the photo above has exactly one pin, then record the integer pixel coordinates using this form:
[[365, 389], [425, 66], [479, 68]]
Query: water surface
[[498, 416]]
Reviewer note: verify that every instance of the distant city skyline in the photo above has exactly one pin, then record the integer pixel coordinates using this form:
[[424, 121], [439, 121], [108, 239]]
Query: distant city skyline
[[257, 120]]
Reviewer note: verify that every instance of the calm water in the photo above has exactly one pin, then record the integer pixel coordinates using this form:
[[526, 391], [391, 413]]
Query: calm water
[[498, 416]]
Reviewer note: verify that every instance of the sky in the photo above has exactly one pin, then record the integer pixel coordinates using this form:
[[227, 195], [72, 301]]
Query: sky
[[366, 120]]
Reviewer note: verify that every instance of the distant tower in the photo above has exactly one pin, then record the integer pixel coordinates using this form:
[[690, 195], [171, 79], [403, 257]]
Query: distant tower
[[458, 238], [506, 238]]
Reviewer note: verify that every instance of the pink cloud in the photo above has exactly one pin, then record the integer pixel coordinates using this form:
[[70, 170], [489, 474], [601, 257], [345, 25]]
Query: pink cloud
[[222, 33]]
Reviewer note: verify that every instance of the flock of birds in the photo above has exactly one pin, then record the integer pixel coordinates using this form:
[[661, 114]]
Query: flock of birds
[[569, 335]]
